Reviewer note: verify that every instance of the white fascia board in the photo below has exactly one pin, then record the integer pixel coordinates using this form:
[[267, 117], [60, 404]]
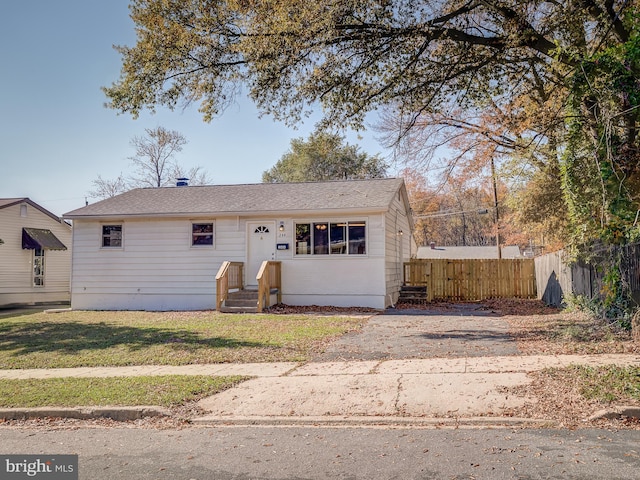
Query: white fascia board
[[244, 214]]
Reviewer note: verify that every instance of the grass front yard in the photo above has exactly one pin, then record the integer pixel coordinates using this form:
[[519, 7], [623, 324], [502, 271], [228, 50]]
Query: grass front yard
[[165, 391], [83, 338], [88, 338]]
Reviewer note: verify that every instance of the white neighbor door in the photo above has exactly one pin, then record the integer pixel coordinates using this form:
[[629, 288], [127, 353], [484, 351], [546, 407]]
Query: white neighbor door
[[262, 246]]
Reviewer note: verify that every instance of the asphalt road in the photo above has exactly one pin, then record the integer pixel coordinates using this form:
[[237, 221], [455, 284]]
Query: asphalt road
[[244, 453]]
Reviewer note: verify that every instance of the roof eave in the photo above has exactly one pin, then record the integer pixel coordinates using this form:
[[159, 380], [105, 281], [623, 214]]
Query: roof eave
[[28, 201], [262, 213]]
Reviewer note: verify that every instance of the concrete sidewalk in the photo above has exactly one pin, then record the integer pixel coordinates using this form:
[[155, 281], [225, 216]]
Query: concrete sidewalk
[[495, 364], [422, 391], [216, 369], [413, 391]]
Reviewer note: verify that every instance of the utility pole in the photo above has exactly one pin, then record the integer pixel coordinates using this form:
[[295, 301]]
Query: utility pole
[[495, 206]]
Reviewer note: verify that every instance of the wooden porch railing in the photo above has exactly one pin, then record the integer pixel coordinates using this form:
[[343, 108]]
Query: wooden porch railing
[[230, 276], [269, 278], [472, 280]]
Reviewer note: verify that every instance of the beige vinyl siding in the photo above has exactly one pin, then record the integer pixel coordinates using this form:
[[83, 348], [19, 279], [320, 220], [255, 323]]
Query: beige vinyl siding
[[341, 282], [337, 280], [16, 263], [397, 247], [156, 268], [376, 232]]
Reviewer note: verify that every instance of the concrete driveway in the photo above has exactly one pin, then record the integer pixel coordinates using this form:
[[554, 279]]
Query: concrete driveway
[[405, 334]]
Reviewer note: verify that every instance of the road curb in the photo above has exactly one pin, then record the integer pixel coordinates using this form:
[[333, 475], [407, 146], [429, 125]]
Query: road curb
[[616, 413], [120, 414], [373, 421], [123, 414]]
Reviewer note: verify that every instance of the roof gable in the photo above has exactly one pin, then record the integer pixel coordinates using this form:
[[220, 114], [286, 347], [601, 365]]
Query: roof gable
[[9, 202], [261, 198]]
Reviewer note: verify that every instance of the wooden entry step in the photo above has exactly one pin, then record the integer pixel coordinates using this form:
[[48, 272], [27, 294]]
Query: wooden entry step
[[241, 301], [412, 294]]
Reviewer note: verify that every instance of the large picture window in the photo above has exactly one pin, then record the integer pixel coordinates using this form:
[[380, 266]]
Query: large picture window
[[112, 235], [331, 238]]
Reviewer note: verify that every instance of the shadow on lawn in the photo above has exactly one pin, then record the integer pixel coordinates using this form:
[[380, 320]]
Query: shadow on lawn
[[561, 332], [70, 337], [470, 336]]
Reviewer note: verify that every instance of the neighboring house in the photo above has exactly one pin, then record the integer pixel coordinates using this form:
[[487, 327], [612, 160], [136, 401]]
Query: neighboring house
[[467, 253], [35, 259], [341, 243]]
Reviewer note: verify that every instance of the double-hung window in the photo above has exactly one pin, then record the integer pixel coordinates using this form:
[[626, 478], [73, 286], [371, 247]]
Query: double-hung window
[[201, 234], [112, 236], [331, 238]]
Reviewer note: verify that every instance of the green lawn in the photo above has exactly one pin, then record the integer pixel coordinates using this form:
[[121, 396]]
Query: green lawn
[[167, 391], [83, 338], [608, 383]]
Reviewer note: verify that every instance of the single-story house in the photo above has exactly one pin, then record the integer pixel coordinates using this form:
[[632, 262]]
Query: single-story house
[[340, 243], [35, 257], [467, 253]]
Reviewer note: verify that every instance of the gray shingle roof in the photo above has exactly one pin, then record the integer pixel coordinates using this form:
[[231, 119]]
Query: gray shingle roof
[[258, 198]]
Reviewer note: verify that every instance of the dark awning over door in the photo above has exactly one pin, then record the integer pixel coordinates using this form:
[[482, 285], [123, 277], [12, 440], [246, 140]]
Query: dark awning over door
[[33, 238]]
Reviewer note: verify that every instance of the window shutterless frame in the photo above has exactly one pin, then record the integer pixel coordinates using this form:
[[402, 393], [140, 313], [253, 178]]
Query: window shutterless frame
[[38, 267], [202, 234], [330, 238], [111, 236]]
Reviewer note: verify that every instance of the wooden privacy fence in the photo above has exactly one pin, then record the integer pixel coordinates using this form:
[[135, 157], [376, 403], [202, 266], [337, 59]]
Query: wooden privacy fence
[[558, 277], [471, 280]]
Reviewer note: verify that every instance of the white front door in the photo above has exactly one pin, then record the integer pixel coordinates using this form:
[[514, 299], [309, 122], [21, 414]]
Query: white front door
[[261, 247]]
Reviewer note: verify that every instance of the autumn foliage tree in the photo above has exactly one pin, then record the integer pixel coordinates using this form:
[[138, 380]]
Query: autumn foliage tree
[[547, 88], [454, 214]]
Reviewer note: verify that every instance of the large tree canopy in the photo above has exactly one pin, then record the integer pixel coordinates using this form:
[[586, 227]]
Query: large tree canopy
[[554, 81], [352, 56], [324, 156]]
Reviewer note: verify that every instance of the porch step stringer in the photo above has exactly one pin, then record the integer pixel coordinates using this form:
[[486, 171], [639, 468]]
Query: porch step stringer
[[241, 301], [410, 294]]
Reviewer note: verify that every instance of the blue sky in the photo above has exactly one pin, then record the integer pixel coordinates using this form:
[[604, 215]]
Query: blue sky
[[55, 134]]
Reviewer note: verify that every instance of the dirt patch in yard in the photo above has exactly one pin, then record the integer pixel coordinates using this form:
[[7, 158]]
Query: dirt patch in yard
[[569, 333], [541, 330], [559, 398]]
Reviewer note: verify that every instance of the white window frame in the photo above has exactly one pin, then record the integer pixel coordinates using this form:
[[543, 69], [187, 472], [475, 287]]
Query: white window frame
[[213, 233], [103, 236], [329, 222], [42, 267]]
